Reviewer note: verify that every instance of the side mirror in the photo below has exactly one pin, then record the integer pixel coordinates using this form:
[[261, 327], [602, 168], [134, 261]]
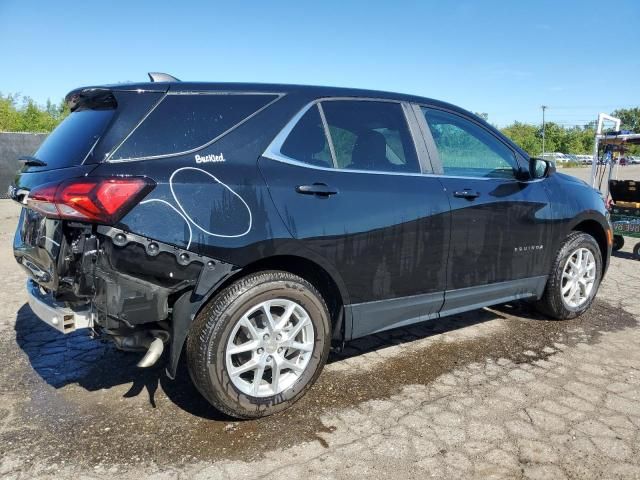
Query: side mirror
[[539, 168]]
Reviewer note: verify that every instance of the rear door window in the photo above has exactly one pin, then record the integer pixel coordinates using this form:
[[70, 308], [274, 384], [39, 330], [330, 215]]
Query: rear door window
[[183, 122], [370, 135]]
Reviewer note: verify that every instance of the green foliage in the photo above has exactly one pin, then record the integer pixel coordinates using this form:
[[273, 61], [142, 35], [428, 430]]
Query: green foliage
[[630, 118], [576, 140], [529, 137], [22, 114]]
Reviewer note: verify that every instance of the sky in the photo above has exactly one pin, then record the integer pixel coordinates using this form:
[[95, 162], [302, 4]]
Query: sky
[[504, 58]]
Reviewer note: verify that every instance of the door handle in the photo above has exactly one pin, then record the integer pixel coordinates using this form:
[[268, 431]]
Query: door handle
[[466, 193], [320, 189]]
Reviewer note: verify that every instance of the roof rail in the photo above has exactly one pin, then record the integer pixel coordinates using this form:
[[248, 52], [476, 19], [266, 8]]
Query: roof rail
[[161, 77]]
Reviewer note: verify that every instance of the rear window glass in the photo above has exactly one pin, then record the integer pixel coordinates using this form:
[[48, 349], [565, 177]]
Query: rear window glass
[[186, 121], [72, 140]]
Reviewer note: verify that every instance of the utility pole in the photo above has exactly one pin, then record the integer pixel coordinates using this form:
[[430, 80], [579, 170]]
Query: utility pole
[[544, 107]]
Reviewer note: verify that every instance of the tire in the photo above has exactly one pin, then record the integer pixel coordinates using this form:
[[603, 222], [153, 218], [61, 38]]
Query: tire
[[618, 242], [553, 302], [223, 327], [636, 251]]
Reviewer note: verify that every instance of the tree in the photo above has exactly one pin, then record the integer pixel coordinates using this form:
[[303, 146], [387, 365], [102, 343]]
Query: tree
[[9, 116], [529, 137], [630, 118], [22, 114], [576, 140]]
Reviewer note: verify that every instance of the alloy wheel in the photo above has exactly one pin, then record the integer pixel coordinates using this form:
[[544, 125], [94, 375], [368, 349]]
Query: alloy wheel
[[269, 347], [578, 278]]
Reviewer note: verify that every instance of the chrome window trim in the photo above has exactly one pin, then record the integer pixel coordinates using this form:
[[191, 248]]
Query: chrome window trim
[[358, 99], [273, 152], [284, 159], [278, 157], [109, 158], [220, 92]]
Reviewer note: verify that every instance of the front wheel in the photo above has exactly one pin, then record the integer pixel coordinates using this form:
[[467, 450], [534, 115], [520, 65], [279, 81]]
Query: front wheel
[[259, 345], [574, 279]]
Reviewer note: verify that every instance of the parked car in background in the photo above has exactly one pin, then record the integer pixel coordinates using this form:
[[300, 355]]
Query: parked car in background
[[262, 224], [555, 157]]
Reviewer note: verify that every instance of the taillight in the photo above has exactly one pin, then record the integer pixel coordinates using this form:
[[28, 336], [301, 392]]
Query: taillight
[[99, 200]]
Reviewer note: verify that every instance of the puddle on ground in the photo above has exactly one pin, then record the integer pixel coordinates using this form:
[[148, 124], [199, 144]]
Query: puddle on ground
[[88, 404]]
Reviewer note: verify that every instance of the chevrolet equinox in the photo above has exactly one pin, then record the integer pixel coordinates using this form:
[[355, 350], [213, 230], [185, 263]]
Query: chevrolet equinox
[[254, 226]]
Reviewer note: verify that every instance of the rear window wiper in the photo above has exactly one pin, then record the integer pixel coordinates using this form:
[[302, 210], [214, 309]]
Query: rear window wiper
[[32, 161]]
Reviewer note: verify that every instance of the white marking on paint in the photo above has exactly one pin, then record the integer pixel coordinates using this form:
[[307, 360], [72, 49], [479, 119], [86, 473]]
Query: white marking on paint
[[175, 210], [221, 183]]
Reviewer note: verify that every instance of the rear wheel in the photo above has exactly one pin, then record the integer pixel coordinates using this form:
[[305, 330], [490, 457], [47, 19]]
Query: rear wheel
[[575, 278], [260, 344], [636, 251]]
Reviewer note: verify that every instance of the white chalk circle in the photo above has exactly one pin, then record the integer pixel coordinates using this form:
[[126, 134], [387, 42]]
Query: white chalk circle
[[164, 202], [200, 171]]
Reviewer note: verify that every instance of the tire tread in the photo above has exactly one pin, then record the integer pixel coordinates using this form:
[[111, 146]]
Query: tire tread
[[551, 302]]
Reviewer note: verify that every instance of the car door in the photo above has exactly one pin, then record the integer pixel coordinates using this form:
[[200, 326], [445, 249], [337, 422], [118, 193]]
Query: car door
[[501, 221], [347, 181]]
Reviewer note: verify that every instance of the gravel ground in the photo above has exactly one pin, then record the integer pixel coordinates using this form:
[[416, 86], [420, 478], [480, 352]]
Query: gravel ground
[[495, 393]]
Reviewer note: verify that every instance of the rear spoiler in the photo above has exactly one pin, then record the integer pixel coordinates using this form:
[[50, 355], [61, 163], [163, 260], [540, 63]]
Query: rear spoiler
[[102, 97], [98, 98]]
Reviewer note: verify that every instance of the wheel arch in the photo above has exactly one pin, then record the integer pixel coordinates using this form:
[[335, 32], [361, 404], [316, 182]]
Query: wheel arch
[[329, 285], [595, 228]]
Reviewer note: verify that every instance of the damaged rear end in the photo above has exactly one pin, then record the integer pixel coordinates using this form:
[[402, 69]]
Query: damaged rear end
[[86, 270]]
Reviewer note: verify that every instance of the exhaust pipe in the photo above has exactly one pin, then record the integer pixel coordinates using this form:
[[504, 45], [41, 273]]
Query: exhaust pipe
[[150, 340], [153, 353]]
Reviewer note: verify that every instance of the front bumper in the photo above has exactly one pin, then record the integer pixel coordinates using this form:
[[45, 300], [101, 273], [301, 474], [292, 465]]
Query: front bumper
[[58, 315]]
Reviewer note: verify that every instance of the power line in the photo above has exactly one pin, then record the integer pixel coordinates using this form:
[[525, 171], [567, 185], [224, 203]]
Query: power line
[[571, 114], [577, 107]]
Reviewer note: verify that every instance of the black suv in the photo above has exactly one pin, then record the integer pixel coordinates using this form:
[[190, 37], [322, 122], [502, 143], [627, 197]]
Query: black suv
[[256, 225]]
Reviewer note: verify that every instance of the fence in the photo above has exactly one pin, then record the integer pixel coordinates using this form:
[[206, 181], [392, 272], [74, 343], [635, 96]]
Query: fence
[[12, 146]]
